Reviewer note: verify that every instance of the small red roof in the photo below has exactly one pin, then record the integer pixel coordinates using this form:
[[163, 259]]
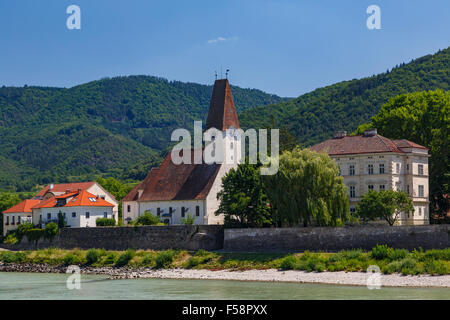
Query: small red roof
[[363, 144], [63, 187], [24, 206], [75, 199]]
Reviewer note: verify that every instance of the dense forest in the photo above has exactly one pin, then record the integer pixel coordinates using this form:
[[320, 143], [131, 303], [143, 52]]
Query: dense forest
[[314, 116], [113, 127], [120, 127]]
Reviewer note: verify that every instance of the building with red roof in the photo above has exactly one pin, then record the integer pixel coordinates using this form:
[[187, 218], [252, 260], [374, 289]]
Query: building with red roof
[[174, 191], [373, 162], [20, 213], [80, 209]]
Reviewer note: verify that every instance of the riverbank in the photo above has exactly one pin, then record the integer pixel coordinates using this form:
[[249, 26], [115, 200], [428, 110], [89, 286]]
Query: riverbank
[[267, 275]]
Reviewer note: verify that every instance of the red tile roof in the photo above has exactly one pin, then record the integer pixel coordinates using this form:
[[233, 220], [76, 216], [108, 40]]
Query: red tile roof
[[175, 182], [24, 206], [63, 187], [222, 113], [403, 143], [76, 199], [363, 144]]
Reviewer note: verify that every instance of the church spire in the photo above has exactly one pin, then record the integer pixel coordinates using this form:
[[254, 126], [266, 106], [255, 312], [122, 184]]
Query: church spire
[[222, 113]]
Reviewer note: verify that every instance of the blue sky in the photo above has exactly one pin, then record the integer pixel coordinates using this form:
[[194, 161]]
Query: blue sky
[[284, 47]]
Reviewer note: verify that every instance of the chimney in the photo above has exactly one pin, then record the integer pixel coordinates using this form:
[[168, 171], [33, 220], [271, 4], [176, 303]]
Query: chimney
[[340, 134], [370, 132]]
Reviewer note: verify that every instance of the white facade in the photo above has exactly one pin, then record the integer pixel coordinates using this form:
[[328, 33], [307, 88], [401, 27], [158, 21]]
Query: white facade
[[11, 221], [389, 171], [82, 216]]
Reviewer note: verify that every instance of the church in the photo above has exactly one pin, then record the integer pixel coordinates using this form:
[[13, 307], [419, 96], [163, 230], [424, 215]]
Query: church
[[174, 191]]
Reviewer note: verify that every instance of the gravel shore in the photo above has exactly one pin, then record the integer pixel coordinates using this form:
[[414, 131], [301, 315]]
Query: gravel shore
[[336, 278]]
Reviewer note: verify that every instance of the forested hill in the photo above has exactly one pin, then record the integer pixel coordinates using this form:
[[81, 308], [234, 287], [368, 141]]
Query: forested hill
[[314, 116], [101, 127]]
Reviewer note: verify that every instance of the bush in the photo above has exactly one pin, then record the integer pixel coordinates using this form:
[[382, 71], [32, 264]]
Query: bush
[[434, 267], [405, 266], [193, 262], [11, 239], [380, 252], [110, 258], [164, 259], [33, 235], [22, 230], [51, 230], [105, 222], [397, 254], [347, 255], [147, 219], [125, 257], [69, 259], [289, 263], [436, 254], [92, 256], [188, 220]]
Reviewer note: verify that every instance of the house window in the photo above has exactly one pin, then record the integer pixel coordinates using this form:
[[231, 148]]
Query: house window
[[197, 211], [183, 211], [18, 219], [49, 216], [128, 208], [407, 167], [158, 212], [12, 220], [397, 167], [370, 169], [370, 187], [351, 170], [105, 214], [421, 169], [381, 168], [352, 209], [74, 214], [421, 191], [420, 211], [352, 192], [170, 210], [87, 215], [382, 187], [64, 214], [7, 220], [340, 173]]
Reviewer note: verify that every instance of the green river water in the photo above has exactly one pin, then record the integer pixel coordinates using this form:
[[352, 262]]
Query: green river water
[[53, 286]]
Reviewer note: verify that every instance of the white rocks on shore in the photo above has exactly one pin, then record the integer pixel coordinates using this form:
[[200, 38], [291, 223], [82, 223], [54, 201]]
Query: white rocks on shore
[[337, 278]]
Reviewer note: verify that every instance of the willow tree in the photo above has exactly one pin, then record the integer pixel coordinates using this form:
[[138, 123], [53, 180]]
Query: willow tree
[[307, 190]]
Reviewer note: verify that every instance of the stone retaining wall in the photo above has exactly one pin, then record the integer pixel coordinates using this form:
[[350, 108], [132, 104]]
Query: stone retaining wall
[[187, 237], [335, 239]]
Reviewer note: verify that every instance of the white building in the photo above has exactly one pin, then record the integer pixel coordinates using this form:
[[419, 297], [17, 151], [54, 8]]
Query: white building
[[373, 162], [18, 214], [79, 208], [174, 191], [92, 187]]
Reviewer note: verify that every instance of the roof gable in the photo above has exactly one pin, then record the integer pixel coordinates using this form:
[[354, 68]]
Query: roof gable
[[24, 206], [63, 187]]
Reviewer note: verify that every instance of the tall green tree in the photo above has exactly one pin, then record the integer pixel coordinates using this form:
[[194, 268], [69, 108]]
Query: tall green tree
[[424, 118], [242, 198], [386, 204], [307, 190]]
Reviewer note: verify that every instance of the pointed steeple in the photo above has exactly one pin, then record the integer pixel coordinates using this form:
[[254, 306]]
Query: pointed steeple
[[222, 113]]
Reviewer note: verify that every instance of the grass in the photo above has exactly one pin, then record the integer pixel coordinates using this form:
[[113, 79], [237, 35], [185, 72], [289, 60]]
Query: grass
[[389, 260]]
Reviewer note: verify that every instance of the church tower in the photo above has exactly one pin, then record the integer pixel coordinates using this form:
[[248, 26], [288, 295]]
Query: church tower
[[222, 116]]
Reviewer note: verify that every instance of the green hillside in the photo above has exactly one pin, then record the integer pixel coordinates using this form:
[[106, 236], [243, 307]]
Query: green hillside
[[101, 127], [314, 116]]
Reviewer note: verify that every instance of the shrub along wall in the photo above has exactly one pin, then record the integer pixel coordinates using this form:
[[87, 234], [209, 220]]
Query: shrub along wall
[[187, 237], [335, 239]]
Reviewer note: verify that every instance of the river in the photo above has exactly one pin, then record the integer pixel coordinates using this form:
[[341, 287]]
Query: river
[[53, 286]]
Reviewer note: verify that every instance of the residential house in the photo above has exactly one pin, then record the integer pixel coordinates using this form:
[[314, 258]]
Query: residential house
[[20, 213], [80, 209]]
